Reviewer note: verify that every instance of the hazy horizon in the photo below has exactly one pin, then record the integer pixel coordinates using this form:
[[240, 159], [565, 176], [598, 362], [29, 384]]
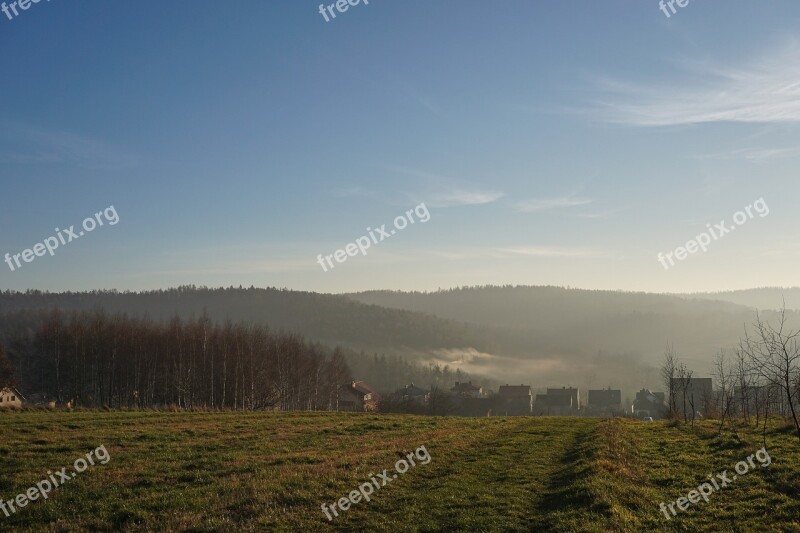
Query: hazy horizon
[[409, 290]]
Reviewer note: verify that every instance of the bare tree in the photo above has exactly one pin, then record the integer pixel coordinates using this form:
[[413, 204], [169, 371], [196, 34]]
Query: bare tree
[[742, 378], [720, 373], [119, 361], [725, 376], [668, 369], [774, 354], [684, 382]]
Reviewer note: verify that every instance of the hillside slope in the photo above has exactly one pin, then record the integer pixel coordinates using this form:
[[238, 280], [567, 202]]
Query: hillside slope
[[541, 335], [762, 298], [579, 324]]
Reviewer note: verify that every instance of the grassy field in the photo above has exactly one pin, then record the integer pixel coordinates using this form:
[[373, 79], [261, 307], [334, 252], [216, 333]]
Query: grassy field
[[273, 471]]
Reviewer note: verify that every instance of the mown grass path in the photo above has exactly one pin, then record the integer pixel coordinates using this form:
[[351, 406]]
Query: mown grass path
[[494, 478]]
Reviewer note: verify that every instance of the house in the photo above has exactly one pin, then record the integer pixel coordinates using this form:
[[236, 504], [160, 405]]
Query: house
[[699, 392], [414, 394], [357, 397], [473, 400], [605, 402], [466, 406], [370, 396], [514, 400], [649, 404], [408, 399], [467, 390], [10, 398], [558, 402]]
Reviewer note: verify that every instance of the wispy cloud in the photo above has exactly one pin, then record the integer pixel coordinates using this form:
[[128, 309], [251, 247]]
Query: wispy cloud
[[472, 253], [548, 204], [766, 90], [32, 145], [755, 155], [544, 251], [444, 191], [464, 197]]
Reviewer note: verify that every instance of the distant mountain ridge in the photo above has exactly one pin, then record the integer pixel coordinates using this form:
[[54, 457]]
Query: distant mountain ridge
[[610, 331], [328, 318], [540, 335], [519, 306], [766, 298]]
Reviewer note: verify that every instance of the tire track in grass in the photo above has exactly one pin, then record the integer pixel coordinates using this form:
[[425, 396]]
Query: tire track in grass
[[598, 485], [566, 495], [485, 481]]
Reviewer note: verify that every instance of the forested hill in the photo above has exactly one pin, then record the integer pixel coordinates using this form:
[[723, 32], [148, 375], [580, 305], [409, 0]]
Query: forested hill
[[762, 298], [326, 318], [545, 335], [574, 321], [524, 306]]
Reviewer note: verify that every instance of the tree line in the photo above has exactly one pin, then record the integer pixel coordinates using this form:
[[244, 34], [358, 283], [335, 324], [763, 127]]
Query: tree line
[[97, 359]]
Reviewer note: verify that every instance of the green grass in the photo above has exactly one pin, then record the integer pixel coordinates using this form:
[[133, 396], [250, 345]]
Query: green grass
[[272, 471]]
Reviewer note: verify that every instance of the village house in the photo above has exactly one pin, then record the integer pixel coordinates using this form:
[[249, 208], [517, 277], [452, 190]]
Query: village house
[[486, 406], [467, 390], [558, 402], [358, 397], [514, 400], [699, 392], [648, 404], [412, 393], [10, 398], [473, 400], [605, 402]]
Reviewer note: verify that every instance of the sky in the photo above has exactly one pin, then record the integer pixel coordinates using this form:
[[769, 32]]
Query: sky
[[551, 143]]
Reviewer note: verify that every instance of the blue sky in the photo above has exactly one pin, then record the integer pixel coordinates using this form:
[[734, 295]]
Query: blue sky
[[563, 143]]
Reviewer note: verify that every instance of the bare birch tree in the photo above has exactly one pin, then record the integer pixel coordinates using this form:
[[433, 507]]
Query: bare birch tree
[[668, 370], [774, 354]]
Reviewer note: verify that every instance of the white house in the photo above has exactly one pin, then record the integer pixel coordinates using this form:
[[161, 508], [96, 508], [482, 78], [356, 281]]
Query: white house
[[467, 390], [10, 397]]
